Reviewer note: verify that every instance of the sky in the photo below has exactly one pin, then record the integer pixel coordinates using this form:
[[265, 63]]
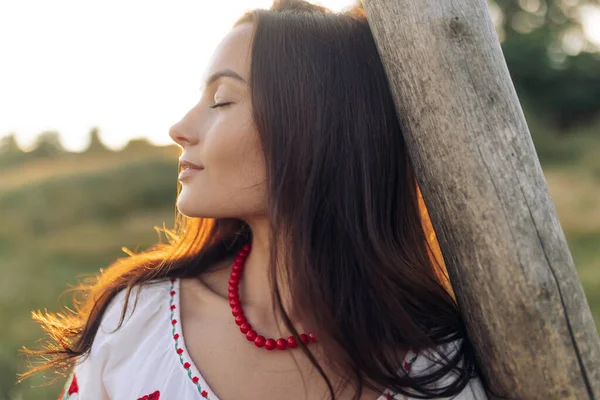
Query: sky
[[131, 68]]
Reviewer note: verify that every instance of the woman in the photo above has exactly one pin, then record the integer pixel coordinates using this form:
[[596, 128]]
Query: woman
[[301, 268]]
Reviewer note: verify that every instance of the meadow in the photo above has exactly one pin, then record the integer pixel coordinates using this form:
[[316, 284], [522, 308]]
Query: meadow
[[66, 218]]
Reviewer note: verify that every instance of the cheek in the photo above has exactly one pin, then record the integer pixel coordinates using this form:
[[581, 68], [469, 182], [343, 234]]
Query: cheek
[[233, 183], [233, 157]]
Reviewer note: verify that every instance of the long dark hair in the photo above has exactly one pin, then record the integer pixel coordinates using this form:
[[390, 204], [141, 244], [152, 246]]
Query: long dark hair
[[343, 195]]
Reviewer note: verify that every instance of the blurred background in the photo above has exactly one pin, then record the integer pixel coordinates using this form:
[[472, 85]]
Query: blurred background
[[88, 91]]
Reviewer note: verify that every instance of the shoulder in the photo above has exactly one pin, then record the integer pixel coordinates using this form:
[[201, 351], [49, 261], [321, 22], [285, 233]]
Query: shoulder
[[426, 361], [144, 306], [121, 346]]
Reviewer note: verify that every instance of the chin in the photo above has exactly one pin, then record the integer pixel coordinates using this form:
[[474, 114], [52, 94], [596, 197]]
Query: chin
[[188, 213], [187, 204], [191, 211], [193, 208]]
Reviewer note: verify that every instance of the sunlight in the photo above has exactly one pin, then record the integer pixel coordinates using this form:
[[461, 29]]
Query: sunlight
[[131, 68], [591, 23]]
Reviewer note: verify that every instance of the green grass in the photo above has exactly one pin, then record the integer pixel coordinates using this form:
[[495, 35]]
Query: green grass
[[60, 223], [585, 249], [62, 227]]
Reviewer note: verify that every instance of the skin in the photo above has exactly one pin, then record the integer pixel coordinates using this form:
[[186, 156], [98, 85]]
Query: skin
[[232, 184]]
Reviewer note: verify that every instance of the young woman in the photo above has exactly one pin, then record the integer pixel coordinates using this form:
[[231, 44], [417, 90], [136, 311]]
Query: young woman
[[301, 265]]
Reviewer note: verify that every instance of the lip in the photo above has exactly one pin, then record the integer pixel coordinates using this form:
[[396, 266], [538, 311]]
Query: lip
[[188, 169], [187, 173], [185, 164]]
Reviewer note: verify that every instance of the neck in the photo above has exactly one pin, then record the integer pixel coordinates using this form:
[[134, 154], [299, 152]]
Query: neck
[[254, 288]]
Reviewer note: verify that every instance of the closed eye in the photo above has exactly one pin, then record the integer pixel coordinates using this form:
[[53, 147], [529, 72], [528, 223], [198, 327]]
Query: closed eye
[[220, 105]]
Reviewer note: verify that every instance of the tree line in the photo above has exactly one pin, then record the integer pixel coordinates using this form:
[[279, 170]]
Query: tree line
[[48, 145]]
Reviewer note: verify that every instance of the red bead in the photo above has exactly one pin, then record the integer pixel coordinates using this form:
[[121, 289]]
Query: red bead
[[237, 311], [173, 307], [172, 293], [179, 351], [259, 341], [176, 336], [187, 365], [173, 322], [204, 393], [270, 344], [292, 344], [281, 344], [195, 379], [245, 327], [251, 335]]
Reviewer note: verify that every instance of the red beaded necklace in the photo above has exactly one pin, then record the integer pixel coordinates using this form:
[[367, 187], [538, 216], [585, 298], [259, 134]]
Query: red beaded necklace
[[240, 319]]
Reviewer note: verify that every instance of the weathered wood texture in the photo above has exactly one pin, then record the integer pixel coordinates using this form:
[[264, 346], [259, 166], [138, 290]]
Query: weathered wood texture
[[502, 242]]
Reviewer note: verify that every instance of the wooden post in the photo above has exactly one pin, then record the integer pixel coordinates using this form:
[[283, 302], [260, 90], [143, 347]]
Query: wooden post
[[487, 197]]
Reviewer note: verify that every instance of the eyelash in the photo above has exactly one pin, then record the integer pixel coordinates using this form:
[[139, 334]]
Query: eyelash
[[220, 105]]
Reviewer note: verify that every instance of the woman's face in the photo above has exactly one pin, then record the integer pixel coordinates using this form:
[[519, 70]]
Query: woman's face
[[224, 140]]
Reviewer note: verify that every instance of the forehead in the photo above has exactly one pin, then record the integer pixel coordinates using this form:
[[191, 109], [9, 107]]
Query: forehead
[[233, 52]]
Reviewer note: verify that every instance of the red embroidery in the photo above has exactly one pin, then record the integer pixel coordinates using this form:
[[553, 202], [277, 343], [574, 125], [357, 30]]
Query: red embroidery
[[151, 396], [176, 336], [74, 388]]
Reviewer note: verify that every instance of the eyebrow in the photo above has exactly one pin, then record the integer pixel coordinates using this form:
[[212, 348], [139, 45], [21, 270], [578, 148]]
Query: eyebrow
[[220, 74]]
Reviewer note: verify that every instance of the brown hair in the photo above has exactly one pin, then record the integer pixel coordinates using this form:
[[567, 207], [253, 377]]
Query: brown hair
[[341, 191]]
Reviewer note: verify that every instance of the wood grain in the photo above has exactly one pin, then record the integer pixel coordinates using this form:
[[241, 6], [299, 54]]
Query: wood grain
[[488, 200]]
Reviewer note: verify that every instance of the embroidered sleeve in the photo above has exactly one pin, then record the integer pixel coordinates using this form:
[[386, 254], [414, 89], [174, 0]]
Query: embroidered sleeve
[[420, 365], [85, 381], [71, 390]]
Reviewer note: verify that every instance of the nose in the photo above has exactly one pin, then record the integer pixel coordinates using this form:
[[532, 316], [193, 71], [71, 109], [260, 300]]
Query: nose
[[183, 132], [177, 134]]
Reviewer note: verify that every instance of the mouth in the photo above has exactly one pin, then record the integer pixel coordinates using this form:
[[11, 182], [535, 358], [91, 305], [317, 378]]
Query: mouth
[[185, 165]]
